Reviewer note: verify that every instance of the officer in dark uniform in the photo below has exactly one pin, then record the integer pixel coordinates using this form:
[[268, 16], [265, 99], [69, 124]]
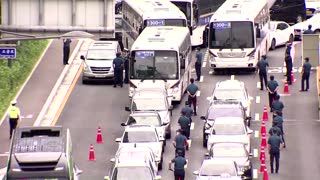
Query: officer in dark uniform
[[272, 87], [118, 70], [289, 64], [179, 163], [276, 128], [185, 124], [274, 146], [278, 120], [126, 68], [192, 95], [277, 105], [288, 48], [187, 110], [180, 142], [198, 63], [66, 50], [309, 30], [262, 67], [305, 74]]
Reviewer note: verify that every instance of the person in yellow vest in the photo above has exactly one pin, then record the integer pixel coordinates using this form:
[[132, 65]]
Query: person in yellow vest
[[14, 116]]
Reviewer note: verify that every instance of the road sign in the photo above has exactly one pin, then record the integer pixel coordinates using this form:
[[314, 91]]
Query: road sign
[[8, 52]]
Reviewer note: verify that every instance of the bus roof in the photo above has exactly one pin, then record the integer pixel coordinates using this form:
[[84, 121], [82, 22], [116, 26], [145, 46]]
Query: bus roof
[[238, 10], [176, 14], [143, 6], [161, 38]]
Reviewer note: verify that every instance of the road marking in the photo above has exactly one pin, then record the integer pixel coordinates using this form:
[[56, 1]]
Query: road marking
[[189, 143], [232, 77], [185, 166], [256, 134], [284, 94], [255, 173], [192, 126], [4, 154], [193, 70], [209, 98], [201, 78], [258, 85], [255, 152], [198, 93], [211, 72], [29, 116], [258, 99], [256, 117], [204, 64]]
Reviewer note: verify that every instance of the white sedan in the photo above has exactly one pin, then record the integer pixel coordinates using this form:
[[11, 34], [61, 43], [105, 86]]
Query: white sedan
[[280, 33], [299, 28]]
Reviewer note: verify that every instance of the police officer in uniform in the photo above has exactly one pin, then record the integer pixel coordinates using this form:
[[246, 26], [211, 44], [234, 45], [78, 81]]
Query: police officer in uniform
[[179, 163], [276, 128], [272, 87], [289, 64], [180, 142], [198, 63], [14, 116], [274, 146], [118, 70], [192, 95], [66, 50], [185, 124], [309, 30], [262, 67], [126, 68], [187, 110], [305, 74], [277, 105], [278, 120]]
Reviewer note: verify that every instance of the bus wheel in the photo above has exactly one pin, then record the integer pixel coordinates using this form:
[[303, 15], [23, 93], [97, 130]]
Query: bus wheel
[[273, 44]]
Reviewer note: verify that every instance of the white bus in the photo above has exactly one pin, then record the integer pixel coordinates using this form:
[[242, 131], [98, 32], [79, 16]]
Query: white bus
[[238, 34], [162, 54], [194, 20], [137, 14]]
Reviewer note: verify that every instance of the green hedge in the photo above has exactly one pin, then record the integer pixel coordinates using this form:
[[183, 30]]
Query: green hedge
[[28, 54]]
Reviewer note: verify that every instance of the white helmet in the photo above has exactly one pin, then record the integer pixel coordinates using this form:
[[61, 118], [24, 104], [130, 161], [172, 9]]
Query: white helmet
[[13, 102]]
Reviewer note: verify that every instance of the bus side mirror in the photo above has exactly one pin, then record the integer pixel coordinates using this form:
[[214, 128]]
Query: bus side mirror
[[258, 32]]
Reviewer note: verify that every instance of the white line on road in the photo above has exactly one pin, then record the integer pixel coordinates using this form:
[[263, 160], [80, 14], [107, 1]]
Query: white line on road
[[232, 77], [185, 166], [192, 126], [198, 93], [258, 85], [255, 152], [211, 72], [258, 99], [256, 134], [189, 143], [204, 64], [256, 117], [209, 98], [201, 78], [255, 173]]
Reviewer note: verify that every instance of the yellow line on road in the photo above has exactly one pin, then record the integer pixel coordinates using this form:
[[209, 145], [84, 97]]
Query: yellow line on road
[[65, 99]]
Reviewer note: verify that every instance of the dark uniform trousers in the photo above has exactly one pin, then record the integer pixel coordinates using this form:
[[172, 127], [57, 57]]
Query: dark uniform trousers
[[305, 77], [118, 76], [193, 100], [198, 70], [274, 155], [13, 122], [288, 74], [179, 174], [271, 98], [66, 52], [126, 73], [186, 132], [263, 77]]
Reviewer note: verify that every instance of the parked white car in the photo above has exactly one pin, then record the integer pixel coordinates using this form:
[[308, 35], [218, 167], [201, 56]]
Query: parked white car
[[312, 7], [299, 28], [280, 33]]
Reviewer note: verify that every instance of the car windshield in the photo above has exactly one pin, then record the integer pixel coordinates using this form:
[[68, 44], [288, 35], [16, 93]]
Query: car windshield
[[229, 151], [229, 129], [101, 54], [229, 94], [139, 137], [144, 120], [149, 104], [217, 169], [126, 173], [225, 112]]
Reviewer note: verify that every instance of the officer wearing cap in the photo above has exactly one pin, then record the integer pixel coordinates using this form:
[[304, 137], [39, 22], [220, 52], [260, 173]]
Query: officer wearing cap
[[198, 63], [185, 124], [274, 146], [180, 142], [187, 110], [277, 105], [118, 64], [305, 74], [192, 90], [272, 87], [309, 30], [14, 116], [276, 128], [262, 67], [179, 164]]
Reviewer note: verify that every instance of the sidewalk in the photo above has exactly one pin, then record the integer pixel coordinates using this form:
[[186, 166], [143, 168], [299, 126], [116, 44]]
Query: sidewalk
[[36, 91]]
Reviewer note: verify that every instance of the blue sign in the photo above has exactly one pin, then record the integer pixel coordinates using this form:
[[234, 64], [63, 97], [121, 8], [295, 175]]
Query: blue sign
[[156, 22], [8, 53], [143, 54], [221, 25]]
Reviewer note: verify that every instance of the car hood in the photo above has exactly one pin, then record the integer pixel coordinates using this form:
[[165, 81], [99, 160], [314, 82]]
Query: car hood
[[156, 147], [218, 177], [99, 63], [227, 138]]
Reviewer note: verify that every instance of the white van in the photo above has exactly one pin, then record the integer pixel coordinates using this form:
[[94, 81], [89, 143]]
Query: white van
[[98, 60]]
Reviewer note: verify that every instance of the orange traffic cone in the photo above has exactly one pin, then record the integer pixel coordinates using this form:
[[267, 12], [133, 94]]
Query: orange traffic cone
[[292, 78], [262, 154], [265, 114], [91, 153], [262, 165], [99, 136], [263, 128], [286, 88], [263, 141], [265, 174]]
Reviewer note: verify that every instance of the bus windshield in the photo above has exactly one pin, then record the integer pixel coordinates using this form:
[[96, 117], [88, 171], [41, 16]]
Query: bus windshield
[[154, 65], [185, 7], [234, 35], [165, 22]]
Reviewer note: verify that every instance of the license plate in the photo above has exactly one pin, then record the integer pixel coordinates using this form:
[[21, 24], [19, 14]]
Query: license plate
[[100, 76]]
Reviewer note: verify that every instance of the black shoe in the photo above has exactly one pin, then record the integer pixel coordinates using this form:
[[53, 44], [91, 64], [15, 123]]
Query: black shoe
[[67, 63], [195, 114], [284, 146], [277, 172], [121, 86], [306, 90], [114, 86], [271, 171], [261, 89]]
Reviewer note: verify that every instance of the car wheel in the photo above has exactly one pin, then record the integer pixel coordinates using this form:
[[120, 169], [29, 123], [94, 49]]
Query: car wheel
[[317, 31], [291, 38], [160, 164], [273, 44], [205, 141]]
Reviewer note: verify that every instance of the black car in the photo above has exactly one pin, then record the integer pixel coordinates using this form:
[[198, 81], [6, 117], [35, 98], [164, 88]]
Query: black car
[[222, 109]]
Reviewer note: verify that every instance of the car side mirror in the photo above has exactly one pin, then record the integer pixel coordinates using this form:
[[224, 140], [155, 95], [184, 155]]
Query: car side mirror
[[206, 155], [118, 140], [123, 124], [157, 178], [126, 50], [106, 178], [82, 57], [202, 117], [127, 108], [195, 172]]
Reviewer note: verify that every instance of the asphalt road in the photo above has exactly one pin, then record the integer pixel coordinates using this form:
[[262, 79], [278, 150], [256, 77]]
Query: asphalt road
[[91, 106]]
